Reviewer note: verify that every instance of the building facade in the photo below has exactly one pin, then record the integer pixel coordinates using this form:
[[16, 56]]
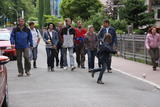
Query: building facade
[[55, 7]]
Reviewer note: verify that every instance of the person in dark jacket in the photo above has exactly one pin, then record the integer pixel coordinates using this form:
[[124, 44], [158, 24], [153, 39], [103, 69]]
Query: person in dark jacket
[[67, 38], [104, 54], [21, 37], [51, 39], [109, 30], [59, 47]]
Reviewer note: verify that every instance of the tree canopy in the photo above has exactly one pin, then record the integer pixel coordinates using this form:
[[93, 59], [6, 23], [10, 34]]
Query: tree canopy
[[134, 11], [79, 8]]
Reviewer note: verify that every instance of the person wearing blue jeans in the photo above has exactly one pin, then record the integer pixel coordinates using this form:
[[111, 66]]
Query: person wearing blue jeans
[[68, 37], [91, 58], [91, 43]]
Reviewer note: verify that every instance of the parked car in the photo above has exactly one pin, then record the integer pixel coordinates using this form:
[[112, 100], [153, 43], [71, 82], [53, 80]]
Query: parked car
[[5, 44], [3, 82]]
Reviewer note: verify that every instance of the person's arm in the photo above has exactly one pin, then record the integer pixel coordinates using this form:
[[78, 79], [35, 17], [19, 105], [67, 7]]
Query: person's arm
[[12, 37], [147, 42], [115, 38], [30, 38], [39, 35], [56, 39], [100, 34], [45, 37]]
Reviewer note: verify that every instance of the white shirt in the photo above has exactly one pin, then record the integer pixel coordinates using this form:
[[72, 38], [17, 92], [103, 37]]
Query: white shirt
[[35, 36]]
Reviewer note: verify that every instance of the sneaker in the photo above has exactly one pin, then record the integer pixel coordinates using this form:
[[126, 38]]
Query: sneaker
[[83, 67], [52, 69], [28, 73], [109, 71], [20, 75], [99, 82], [72, 68], [90, 70], [65, 68], [154, 69], [49, 69]]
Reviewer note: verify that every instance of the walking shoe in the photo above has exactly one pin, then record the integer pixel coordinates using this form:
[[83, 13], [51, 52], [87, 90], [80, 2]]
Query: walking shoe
[[90, 70], [49, 69], [83, 67], [52, 69], [92, 74], [109, 71], [65, 68], [34, 64], [72, 68], [28, 73], [154, 69], [99, 82], [20, 75]]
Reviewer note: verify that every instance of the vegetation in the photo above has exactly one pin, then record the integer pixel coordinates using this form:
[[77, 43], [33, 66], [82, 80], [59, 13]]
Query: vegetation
[[79, 8]]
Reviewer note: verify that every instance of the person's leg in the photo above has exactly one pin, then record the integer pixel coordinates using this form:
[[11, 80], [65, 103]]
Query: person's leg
[[71, 57], [82, 56], [152, 54], [53, 55], [19, 61], [77, 48], [35, 52], [27, 61], [57, 57], [61, 58], [109, 63], [157, 56], [104, 66], [48, 55], [89, 59], [93, 57], [65, 57]]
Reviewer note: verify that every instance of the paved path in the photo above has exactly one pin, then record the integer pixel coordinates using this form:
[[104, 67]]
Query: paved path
[[77, 89]]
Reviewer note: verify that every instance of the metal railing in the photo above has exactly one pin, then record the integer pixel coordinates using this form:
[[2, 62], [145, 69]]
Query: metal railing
[[133, 47]]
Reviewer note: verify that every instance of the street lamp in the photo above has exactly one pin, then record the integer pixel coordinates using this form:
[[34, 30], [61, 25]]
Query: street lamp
[[15, 11]]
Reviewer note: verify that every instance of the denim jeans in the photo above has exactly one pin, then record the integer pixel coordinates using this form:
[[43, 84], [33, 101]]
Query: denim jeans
[[91, 58], [101, 70], [70, 49], [34, 53]]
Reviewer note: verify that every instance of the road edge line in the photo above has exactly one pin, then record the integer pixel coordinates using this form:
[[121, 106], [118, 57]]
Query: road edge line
[[138, 78]]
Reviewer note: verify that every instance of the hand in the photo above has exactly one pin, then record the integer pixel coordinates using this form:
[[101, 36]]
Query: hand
[[12, 46], [31, 47], [148, 48], [118, 53], [54, 47], [49, 41]]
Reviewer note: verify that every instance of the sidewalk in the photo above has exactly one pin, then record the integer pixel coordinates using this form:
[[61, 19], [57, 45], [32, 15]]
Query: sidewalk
[[136, 69]]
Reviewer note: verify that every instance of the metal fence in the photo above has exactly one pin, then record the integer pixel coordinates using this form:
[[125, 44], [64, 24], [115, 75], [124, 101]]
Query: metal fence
[[133, 47]]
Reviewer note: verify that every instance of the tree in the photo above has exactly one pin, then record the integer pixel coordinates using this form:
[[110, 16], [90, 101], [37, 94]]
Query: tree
[[41, 13], [134, 11], [81, 8]]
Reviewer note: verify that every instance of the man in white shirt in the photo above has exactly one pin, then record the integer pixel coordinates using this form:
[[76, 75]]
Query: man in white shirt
[[36, 39]]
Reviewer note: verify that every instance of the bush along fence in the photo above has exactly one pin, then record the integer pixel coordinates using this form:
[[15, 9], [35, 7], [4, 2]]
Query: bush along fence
[[133, 47]]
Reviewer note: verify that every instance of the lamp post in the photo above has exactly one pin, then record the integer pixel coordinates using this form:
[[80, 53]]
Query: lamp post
[[15, 11]]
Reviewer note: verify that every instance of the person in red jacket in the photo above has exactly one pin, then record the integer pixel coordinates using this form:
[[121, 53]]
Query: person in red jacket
[[79, 44]]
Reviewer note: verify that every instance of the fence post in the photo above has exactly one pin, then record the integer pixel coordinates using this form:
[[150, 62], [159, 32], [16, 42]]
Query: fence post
[[134, 55], [145, 52]]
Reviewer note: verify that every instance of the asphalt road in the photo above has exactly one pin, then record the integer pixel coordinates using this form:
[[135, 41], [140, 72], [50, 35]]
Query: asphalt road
[[77, 89]]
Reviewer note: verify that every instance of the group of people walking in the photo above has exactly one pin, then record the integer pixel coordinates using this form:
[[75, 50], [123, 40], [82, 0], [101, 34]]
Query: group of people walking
[[67, 39], [63, 40]]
